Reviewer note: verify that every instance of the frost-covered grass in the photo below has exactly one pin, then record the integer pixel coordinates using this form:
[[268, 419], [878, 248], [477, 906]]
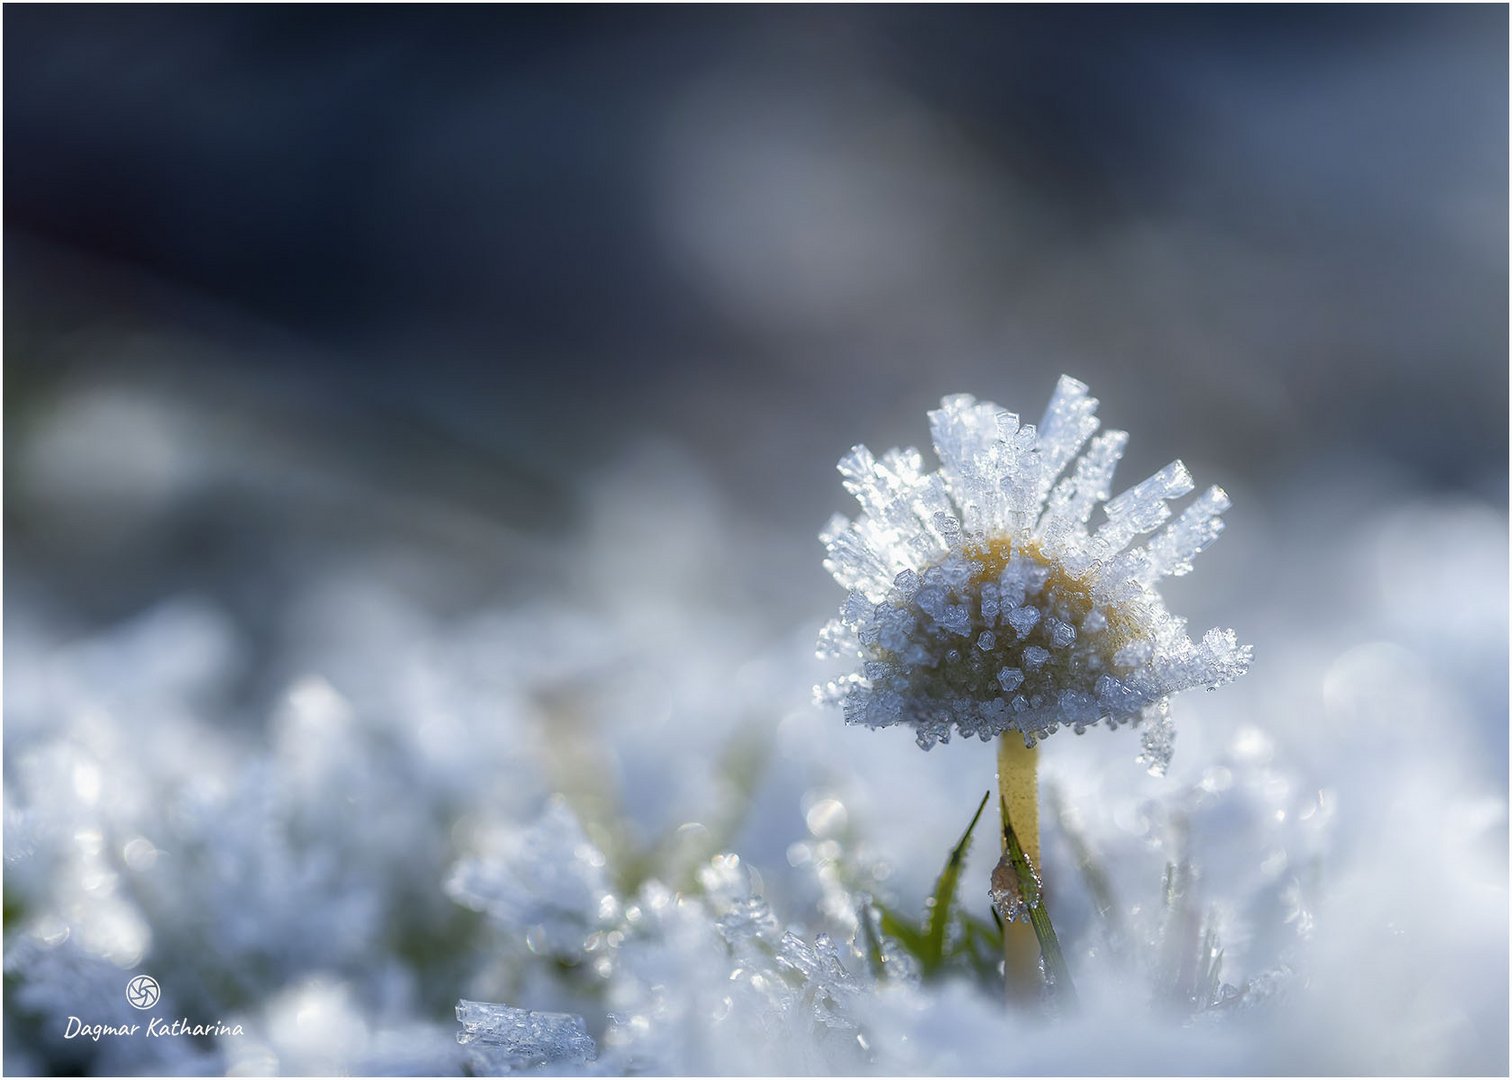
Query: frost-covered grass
[[603, 830]]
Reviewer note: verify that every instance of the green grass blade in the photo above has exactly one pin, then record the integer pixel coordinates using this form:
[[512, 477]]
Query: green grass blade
[[1039, 914], [980, 948], [944, 895], [909, 938]]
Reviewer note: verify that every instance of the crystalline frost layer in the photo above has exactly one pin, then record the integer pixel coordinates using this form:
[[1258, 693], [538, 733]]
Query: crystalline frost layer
[[992, 565], [548, 880], [504, 1039], [721, 956]]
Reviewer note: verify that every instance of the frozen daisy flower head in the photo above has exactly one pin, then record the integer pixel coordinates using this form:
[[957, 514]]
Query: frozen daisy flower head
[[984, 598]]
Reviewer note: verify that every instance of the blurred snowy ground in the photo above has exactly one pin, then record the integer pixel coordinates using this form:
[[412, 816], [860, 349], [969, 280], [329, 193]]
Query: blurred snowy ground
[[415, 603], [297, 867]]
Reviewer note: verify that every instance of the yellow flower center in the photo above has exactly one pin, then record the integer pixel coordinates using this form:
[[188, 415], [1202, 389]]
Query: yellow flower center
[[1048, 663]]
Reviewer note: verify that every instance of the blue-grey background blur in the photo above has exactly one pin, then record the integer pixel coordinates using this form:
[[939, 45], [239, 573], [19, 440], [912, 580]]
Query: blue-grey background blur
[[295, 289], [440, 263]]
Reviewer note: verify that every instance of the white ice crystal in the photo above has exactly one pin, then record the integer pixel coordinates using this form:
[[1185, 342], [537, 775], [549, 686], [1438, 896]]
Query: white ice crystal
[[983, 599], [548, 882], [504, 1039], [713, 985]]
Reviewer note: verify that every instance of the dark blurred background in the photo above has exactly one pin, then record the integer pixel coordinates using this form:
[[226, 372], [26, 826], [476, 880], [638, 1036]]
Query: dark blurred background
[[289, 282]]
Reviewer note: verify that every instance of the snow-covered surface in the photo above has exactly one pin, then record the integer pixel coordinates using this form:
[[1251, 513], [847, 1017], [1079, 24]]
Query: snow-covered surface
[[607, 824]]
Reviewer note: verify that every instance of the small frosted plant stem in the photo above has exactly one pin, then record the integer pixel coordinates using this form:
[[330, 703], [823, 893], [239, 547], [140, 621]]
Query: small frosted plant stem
[[1018, 788]]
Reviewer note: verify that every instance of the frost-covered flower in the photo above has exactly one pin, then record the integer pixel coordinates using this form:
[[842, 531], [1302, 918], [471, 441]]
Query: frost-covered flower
[[983, 599]]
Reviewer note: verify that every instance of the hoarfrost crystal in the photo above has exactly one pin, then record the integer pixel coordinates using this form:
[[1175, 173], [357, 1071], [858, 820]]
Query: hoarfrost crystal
[[549, 883], [983, 600], [506, 1039]]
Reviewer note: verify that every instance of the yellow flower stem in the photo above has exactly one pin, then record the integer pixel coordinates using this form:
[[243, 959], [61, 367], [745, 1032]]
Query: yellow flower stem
[[1018, 782]]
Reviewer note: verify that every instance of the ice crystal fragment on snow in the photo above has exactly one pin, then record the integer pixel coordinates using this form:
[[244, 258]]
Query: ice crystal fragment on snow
[[744, 915], [505, 1039], [990, 566], [719, 957], [826, 981], [548, 882]]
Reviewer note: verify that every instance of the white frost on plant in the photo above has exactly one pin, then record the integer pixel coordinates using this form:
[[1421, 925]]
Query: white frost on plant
[[984, 600]]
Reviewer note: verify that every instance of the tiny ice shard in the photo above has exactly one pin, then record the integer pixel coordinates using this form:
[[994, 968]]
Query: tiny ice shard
[[745, 919], [1158, 742], [1022, 619], [547, 878], [826, 981], [505, 1039]]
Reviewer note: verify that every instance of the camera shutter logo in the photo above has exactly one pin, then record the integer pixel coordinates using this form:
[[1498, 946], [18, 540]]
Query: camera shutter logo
[[143, 992]]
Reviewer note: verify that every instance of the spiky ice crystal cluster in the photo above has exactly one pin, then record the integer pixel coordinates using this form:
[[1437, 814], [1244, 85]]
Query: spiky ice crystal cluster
[[984, 600], [506, 1039]]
